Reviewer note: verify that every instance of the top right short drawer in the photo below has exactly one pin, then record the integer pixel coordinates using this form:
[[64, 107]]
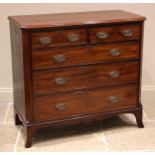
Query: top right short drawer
[[114, 33]]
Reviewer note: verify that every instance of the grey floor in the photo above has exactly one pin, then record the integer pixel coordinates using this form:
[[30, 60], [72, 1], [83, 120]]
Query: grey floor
[[115, 134]]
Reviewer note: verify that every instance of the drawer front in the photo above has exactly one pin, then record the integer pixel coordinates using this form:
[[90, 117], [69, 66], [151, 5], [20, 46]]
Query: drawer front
[[76, 78], [114, 33], [64, 57], [58, 38], [86, 102]]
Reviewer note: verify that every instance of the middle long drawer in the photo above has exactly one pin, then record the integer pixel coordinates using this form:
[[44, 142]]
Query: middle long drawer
[[63, 57], [84, 77]]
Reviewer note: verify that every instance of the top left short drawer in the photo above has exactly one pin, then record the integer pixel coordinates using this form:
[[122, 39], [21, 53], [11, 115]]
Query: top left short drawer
[[44, 39]]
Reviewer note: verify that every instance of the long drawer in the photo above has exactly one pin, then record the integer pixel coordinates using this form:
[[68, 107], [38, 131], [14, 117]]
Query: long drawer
[[59, 106], [62, 57], [84, 77]]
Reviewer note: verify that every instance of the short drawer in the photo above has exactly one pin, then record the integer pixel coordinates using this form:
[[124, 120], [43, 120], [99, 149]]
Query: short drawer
[[84, 77], [63, 57], [115, 33], [52, 107], [44, 39]]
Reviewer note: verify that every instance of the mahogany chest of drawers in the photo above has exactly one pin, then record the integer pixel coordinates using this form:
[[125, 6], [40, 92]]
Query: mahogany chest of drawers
[[75, 68]]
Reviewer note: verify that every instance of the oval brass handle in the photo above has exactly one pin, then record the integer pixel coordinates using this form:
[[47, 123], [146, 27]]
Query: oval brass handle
[[61, 106], [59, 58], [60, 81], [113, 99], [45, 40], [114, 74], [102, 35], [73, 37], [115, 52], [127, 33]]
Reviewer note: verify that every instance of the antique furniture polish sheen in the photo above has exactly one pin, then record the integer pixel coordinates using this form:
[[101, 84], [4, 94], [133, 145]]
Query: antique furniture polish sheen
[[70, 68]]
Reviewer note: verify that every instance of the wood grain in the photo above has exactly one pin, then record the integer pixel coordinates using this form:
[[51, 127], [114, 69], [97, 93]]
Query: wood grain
[[45, 59], [74, 19], [85, 77], [59, 38], [42, 101], [85, 102], [115, 33]]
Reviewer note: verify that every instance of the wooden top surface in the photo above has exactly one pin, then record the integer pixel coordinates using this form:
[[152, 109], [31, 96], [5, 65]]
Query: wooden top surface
[[74, 19]]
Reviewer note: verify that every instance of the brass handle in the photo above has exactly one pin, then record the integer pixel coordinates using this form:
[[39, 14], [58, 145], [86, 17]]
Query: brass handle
[[45, 40], [60, 81], [115, 52], [114, 74], [60, 106], [127, 33], [73, 37], [102, 35], [113, 99], [59, 58]]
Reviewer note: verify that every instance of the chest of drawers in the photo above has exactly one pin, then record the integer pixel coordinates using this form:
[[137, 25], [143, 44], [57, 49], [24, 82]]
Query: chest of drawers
[[75, 68]]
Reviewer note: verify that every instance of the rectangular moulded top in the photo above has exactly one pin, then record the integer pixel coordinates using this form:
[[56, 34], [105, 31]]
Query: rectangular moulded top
[[74, 19]]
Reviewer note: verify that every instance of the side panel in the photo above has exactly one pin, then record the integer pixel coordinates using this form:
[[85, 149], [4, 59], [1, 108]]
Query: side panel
[[21, 72], [27, 65], [17, 70], [140, 64]]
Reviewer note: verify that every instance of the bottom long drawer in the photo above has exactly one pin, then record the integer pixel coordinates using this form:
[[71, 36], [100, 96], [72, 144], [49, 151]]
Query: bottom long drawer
[[84, 102]]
